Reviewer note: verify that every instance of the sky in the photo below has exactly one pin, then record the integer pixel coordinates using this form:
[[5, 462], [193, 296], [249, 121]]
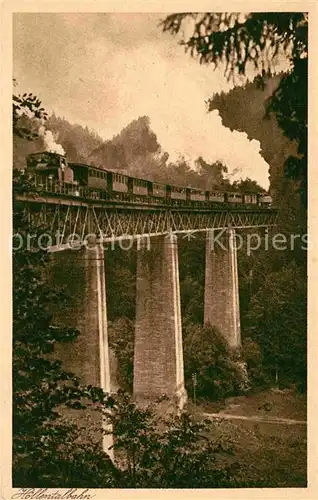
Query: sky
[[104, 70]]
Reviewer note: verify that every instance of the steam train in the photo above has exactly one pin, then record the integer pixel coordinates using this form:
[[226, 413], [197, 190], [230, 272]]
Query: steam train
[[54, 174]]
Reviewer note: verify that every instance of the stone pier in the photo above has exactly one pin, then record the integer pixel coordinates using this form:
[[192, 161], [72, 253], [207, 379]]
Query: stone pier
[[158, 356], [221, 294], [83, 273]]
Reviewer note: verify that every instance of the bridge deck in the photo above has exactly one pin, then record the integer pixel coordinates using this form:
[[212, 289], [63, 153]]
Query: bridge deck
[[75, 218]]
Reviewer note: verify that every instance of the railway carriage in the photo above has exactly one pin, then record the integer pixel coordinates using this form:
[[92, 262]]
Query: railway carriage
[[250, 198], [140, 187], [159, 190], [215, 196], [89, 176], [197, 195], [178, 193], [119, 182], [234, 198]]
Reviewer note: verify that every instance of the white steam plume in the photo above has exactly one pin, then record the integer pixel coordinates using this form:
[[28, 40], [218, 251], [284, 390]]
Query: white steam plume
[[49, 141]]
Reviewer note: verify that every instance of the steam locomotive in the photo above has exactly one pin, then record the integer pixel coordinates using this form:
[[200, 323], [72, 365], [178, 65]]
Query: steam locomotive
[[54, 174]]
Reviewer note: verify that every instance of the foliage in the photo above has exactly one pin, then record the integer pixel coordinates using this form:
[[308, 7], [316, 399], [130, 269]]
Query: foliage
[[277, 321], [26, 108], [239, 39], [289, 102], [166, 451], [191, 275], [247, 186], [77, 141], [206, 353], [252, 355], [121, 271]]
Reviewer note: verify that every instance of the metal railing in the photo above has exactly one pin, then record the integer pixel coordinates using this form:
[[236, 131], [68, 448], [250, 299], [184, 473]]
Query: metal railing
[[48, 185]]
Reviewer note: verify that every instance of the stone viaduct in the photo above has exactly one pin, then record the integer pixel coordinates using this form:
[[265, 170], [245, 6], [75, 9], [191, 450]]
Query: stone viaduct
[[158, 355]]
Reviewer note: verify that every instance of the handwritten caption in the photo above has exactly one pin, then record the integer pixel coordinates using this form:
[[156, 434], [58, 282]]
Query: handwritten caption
[[50, 494]]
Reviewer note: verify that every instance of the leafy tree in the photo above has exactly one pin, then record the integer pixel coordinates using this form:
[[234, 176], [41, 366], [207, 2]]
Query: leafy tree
[[191, 273], [247, 186], [243, 43], [206, 353], [166, 450], [277, 321], [26, 108], [252, 355]]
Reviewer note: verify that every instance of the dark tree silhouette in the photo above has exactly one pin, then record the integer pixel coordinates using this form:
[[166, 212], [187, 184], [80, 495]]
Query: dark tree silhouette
[[255, 41]]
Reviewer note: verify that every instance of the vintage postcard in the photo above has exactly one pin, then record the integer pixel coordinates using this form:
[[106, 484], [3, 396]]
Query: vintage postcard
[[159, 201]]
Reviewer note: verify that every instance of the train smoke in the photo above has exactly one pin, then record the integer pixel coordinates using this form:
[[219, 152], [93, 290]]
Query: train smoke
[[49, 141]]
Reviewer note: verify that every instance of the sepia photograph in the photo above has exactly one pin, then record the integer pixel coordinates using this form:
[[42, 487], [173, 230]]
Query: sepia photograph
[[159, 250]]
